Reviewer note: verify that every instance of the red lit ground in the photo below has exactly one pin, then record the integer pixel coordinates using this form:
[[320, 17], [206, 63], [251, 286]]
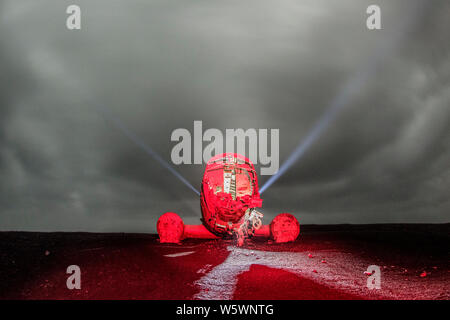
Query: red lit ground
[[136, 266]]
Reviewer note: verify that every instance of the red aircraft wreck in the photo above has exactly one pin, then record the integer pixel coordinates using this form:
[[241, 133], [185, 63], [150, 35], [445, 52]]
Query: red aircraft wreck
[[228, 200]]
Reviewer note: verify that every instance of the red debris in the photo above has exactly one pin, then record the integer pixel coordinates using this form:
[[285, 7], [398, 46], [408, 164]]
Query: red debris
[[367, 273], [423, 274], [323, 261], [315, 271], [310, 255]]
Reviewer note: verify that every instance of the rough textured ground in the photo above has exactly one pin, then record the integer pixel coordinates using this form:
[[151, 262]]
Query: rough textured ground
[[326, 262]]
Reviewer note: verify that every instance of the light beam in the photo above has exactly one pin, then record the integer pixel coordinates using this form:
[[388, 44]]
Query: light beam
[[137, 141], [353, 85]]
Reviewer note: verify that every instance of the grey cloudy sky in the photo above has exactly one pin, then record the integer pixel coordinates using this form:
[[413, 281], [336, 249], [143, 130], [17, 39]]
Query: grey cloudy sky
[[160, 65]]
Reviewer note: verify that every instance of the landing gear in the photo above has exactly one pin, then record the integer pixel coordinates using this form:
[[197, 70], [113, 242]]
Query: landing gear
[[283, 228]]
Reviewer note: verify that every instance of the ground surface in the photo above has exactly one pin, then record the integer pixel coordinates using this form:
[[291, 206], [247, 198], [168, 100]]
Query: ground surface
[[326, 262]]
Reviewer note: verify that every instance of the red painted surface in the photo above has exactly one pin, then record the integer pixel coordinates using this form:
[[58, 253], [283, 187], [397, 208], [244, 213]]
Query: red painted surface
[[229, 191], [137, 266], [263, 232], [170, 228], [284, 228], [198, 231], [221, 210], [264, 283]]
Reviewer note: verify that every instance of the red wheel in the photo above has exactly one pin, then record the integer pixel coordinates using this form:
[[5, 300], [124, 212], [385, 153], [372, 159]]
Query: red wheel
[[170, 228], [284, 228]]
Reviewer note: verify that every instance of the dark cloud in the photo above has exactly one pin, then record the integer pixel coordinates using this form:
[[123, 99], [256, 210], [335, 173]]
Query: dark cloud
[[258, 64]]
